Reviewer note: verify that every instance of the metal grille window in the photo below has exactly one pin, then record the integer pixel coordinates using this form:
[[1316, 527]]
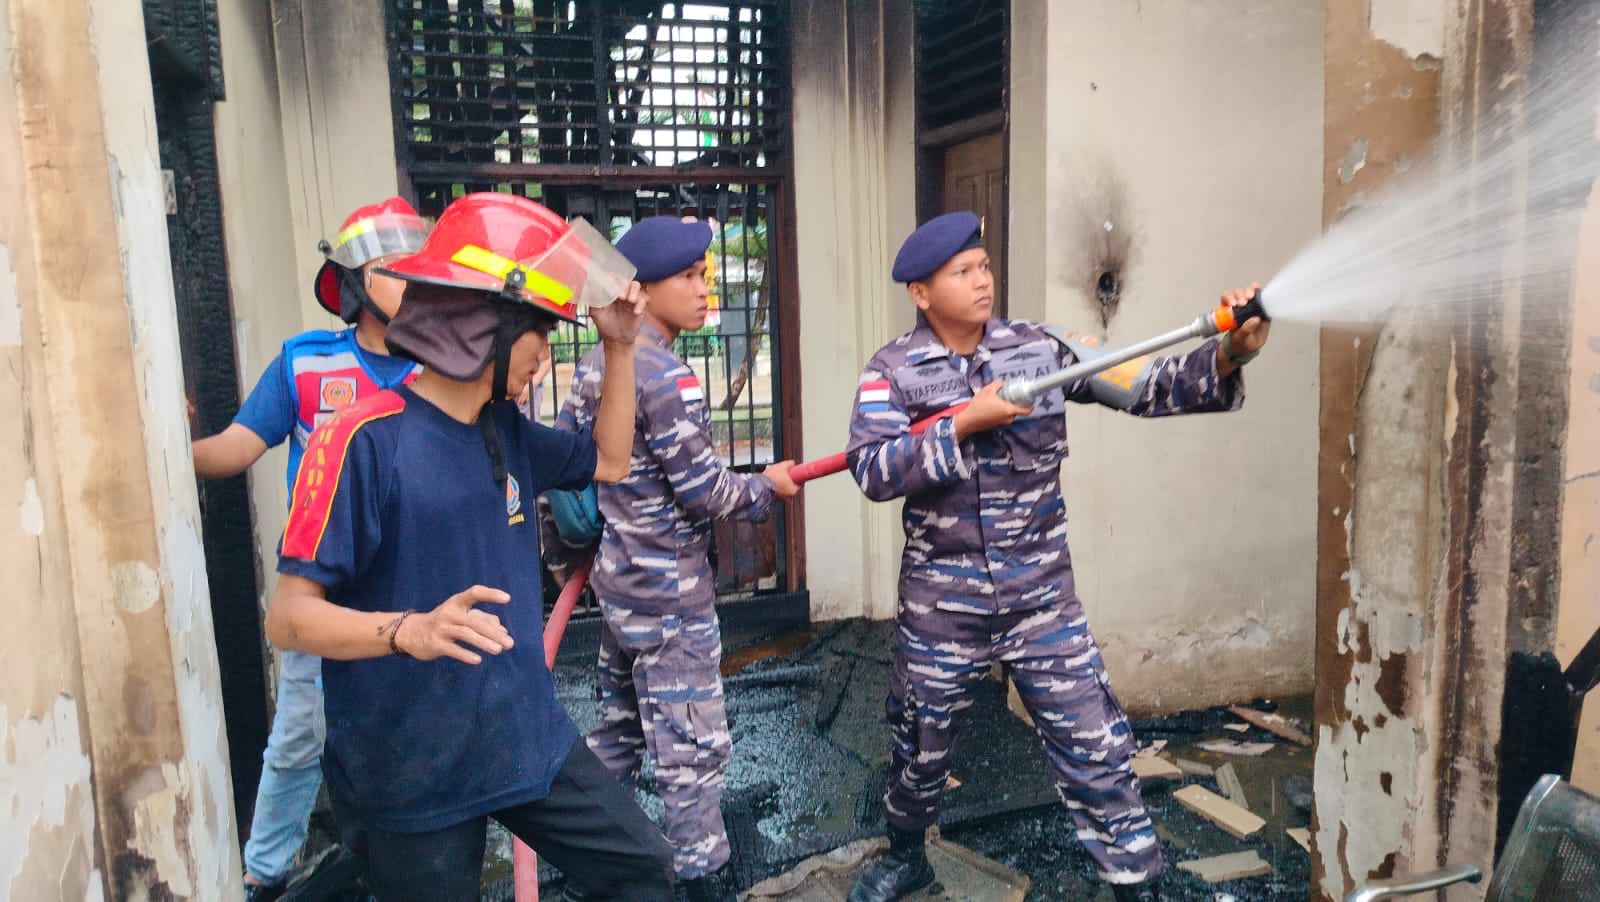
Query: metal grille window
[[586, 85], [961, 60], [616, 111]]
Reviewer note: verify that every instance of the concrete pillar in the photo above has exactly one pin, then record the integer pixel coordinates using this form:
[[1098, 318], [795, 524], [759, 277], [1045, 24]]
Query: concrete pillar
[[1028, 163], [269, 274], [1440, 461], [854, 174], [113, 770]]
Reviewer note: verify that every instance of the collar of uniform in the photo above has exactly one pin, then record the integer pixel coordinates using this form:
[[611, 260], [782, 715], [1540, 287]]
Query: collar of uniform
[[998, 335], [649, 332]]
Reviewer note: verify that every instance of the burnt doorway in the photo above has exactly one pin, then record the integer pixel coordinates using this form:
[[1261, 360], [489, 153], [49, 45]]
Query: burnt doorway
[[186, 72], [962, 86], [615, 111]]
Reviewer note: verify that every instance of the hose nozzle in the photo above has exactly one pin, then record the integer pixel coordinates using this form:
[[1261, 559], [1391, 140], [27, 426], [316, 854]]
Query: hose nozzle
[[1226, 318]]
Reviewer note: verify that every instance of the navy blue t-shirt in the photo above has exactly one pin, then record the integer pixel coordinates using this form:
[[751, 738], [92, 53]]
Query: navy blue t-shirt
[[397, 508]]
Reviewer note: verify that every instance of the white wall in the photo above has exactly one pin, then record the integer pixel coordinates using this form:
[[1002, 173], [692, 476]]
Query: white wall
[[1197, 127]]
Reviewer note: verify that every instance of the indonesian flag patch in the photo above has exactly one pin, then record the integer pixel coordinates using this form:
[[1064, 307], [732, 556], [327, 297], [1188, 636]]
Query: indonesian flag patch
[[874, 396], [689, 389]]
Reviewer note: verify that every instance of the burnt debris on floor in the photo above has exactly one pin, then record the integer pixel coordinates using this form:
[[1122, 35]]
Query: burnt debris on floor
[[811, 753]]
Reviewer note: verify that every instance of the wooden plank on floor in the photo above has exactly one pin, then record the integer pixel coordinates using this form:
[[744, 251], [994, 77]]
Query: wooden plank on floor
[[1232, 789], [1154, 748], [1237, 822], [1237, 866], [1276, 724], [1229, 747], [1194, 768], [964, 876], [1154, 768], [1301, 837]]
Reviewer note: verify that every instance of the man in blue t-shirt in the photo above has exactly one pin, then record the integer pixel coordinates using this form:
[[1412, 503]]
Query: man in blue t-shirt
[[406, 565], [317, 374]]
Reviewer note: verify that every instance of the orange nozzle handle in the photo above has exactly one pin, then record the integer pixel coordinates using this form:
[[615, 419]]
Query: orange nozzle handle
[[1226, 318]]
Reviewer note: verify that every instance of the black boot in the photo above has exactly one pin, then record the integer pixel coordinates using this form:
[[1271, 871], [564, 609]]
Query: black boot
[[1137, 892], [264, 892], [717, 886], [902, 870]]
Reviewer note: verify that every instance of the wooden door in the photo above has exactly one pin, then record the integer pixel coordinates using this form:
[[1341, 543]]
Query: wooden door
[[975, 179]]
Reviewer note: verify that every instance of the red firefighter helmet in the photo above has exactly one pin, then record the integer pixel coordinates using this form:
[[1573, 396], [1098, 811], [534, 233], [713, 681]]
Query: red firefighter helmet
[[512, 247], [370, 233]]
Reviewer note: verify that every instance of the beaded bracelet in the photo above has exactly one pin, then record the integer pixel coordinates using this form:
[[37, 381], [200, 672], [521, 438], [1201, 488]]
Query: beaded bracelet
[[394, 631]]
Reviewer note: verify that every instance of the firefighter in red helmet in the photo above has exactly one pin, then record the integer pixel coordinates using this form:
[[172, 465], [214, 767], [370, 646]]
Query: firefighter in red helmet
[[317, 374], [409, 565]]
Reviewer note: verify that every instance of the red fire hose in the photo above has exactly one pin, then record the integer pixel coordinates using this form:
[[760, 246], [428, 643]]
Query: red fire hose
[[524, 866], [827, 466]]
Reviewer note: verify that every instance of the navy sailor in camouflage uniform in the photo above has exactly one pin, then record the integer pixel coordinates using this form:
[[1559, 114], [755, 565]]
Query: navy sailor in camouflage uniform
[[661, 646], [986, 575]]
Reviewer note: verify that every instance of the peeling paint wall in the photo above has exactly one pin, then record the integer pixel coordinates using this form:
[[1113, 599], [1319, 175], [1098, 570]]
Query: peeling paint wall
[[188, 812], [1195, 129], [1437, 462], [855, 202], [113, 758], [1416, 28], [52, 848], [1382, 108]]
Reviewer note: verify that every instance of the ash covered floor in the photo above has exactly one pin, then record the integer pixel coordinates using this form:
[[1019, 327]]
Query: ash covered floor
[[811, 752]]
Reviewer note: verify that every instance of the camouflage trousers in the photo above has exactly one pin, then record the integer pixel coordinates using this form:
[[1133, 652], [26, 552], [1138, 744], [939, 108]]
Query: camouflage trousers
[[941, 656], [661, 691]]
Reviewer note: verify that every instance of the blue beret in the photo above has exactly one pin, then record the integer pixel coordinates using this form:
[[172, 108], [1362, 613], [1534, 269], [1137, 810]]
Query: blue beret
[[936, 241], [663, 246]]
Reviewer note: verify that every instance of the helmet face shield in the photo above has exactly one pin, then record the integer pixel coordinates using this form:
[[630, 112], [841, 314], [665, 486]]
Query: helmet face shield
[[518, 249], [373, 237], [581, 269]]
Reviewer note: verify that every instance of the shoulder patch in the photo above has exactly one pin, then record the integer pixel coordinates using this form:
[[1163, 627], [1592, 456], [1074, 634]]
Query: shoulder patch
[[653, 358], [319, 341], [318, 480]]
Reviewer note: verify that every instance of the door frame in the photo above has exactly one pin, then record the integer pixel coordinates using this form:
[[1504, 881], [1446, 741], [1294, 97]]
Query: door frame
[[933, 142]]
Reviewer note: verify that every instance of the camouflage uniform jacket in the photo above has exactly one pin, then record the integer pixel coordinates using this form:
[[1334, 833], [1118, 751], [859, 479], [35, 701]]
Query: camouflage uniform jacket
[[985, 523], [654, 554]]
